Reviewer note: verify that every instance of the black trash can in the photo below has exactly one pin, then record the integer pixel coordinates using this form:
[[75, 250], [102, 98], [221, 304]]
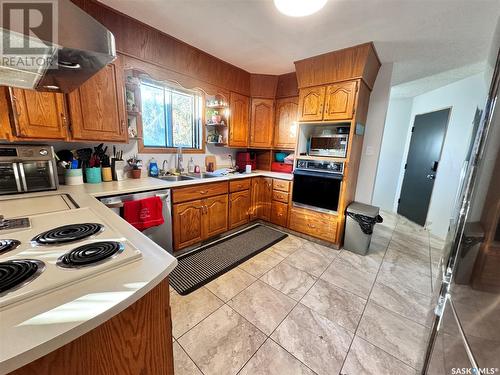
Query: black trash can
[[360, 220]]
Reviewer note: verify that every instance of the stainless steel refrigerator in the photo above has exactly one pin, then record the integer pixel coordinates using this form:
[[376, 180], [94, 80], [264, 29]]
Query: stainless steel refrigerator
[[465, 336]]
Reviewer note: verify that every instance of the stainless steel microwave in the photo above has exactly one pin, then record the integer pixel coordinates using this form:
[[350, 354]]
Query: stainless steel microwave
[[26, 168], [333, 145]]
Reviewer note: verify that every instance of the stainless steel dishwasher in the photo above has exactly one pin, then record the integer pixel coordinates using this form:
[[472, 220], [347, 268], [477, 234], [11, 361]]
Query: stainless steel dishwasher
[[161, 234]]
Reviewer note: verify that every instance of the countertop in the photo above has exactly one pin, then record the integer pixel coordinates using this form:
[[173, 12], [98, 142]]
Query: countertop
[[39, 326]]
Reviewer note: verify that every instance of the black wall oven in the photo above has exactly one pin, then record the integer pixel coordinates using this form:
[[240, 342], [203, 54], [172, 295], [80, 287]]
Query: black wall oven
[[317, 184]]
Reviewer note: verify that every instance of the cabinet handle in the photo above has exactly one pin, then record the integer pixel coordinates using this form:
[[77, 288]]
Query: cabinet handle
[[321, 108], [311, 226], [64, 120], [203, 192], [16, 107]]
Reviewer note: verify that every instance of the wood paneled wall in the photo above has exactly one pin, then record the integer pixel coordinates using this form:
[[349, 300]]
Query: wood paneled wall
[[357, 62], [263, 86], [287, 86], [186, 63]]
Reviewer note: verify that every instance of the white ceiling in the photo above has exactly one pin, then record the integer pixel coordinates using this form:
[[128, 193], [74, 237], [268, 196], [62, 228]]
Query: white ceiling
[[421, 37]]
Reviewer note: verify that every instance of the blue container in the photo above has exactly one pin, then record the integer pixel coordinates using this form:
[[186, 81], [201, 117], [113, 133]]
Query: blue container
[[93, 175], [153, 168], [280, 156]]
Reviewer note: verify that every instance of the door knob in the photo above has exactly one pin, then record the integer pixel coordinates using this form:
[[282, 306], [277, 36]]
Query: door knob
[[431, 176]]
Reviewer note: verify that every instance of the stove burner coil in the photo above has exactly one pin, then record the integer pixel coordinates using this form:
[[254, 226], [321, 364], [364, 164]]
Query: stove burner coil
[[90, 254], [17, 273], [8, 245], [68, 233]]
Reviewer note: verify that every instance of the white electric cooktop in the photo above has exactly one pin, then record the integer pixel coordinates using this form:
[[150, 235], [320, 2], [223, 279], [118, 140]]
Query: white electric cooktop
[[77, 245]]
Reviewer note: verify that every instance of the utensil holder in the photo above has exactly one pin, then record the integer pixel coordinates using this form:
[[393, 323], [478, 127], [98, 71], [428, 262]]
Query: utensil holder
[[73, 177], [119, 172], [107, 175], [93, 175]]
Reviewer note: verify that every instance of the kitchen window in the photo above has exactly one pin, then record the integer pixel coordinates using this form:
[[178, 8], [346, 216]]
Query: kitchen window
[[171, 117]]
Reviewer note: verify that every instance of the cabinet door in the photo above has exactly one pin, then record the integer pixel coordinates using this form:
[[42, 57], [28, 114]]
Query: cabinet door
[[187, 223], [255, 194], [279, 213], [97, 108], [239, 208], [311, 102], [261, 123], [339, 101], [262, 190], [39, 115], [238, 121], [266, 195], [215, 217], [285, 127]]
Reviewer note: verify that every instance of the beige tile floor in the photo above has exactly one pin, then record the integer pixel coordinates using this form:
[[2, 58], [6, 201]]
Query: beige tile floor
[[303, 308]]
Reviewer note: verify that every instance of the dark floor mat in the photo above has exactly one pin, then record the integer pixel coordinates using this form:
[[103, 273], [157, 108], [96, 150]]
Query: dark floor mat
[[209, 262]]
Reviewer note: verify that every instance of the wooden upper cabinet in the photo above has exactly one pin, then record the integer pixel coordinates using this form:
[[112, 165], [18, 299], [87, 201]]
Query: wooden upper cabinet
[[215, 218], [239, 119], [285, 127], [187, 223], [311, 101], [40, 115], [339, 101], [97, 108], [261, 123]]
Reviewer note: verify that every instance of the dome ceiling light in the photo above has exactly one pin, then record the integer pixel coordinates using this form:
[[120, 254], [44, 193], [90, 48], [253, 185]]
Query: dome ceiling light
[[299, 8]]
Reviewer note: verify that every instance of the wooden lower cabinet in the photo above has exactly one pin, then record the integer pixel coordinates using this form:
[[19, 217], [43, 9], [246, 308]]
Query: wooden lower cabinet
[[198, 220], [187, 223], [215, 218], [239, 208], [279, 213], [313, 223], [136, 341], [262, 190]]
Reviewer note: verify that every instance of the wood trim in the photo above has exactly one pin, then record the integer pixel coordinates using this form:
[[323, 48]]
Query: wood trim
[[136, 341], [356, 62], [143, 42]]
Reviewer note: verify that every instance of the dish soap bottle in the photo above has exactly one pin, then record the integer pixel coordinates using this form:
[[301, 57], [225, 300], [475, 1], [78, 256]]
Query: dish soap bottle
[[153, 168], [191, 166]]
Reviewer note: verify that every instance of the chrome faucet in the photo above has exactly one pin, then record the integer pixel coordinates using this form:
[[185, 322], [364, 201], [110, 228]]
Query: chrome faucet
[[180, 159]]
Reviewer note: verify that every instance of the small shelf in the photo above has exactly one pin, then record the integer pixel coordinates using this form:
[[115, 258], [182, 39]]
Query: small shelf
[[135, 138], [214, 124], [133, 113], [216, 144], [217, 106], [131, 86]]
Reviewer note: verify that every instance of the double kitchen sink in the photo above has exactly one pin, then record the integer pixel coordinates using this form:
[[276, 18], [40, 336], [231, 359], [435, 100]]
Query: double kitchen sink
[[185, 177]]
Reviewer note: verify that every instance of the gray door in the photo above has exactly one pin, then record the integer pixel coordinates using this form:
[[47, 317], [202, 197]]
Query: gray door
[[421, 167]]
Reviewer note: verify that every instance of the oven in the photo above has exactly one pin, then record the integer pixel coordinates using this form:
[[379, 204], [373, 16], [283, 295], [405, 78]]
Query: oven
[[332, 145], [317, 184], [27, 169]]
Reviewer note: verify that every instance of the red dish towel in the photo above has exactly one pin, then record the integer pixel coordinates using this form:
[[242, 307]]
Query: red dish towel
[[144, 213]]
